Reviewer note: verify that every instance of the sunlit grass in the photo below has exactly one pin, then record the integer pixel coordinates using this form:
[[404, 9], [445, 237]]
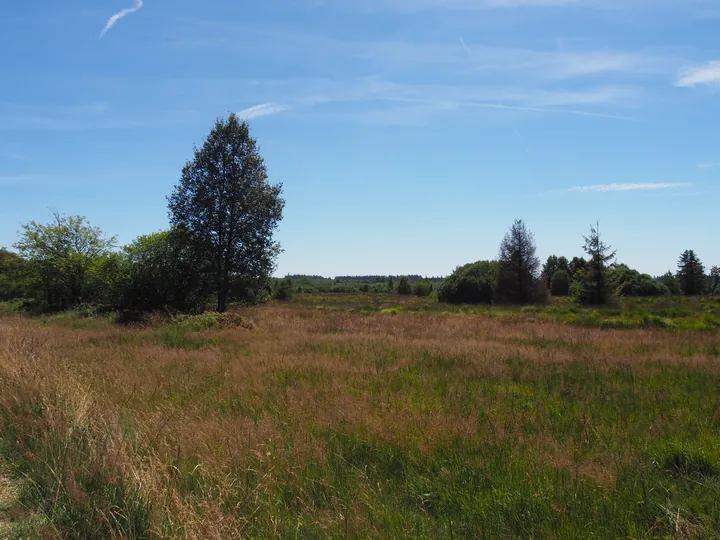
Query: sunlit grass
[[347, 422]]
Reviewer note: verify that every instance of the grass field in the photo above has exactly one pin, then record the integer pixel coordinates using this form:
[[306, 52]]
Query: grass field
[[366, 418]]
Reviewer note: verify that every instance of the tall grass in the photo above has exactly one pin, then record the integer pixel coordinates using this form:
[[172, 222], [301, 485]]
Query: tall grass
[[314, 423]]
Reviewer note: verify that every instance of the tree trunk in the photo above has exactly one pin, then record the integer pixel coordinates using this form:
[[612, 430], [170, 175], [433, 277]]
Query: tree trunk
[[222, 296]]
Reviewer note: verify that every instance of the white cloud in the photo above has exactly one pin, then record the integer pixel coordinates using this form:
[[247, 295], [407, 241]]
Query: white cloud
[[709, 165], [450, 105], [604, 188], [505, 61], [708, 74], [137, 6], [264, 109]]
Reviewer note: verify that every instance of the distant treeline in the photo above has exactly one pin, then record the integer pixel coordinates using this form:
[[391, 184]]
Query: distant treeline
[[357, 284], [220, 249], [518, 277]]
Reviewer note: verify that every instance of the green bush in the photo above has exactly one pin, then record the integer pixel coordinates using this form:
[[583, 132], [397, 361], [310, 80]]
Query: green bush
[[628, 282], [560, 283], [404, 286], [284, 290], [471, 284], [422, 288]]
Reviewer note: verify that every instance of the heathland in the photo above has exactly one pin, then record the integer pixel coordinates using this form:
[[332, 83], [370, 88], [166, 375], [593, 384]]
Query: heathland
[[365, 415]]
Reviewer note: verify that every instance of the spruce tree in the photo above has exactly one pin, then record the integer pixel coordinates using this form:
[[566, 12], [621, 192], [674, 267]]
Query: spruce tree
[[691, 273], [519, 267], [594, 288]]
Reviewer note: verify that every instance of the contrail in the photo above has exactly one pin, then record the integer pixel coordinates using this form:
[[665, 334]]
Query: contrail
[[462, 42], [137, 6]]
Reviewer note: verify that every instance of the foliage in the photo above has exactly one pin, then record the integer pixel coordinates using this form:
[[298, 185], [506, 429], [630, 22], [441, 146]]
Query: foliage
[[691, 273], [627, 282], [422, 288], [715, 275], [355, 284], [108, 281], [15, 276], [283, 289], [578, 264], [671, 282], [593, 286], [62, 254], [229, 209], [404, 286], [519, 267], [471, 284], [162, 273], [552, 265], [560, 284]]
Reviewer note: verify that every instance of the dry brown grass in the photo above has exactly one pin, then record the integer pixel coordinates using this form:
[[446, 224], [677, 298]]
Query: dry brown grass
[[208, 436]]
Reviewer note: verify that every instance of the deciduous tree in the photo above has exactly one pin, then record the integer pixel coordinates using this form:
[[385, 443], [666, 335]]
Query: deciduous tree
[[62, 252], [228, 207]]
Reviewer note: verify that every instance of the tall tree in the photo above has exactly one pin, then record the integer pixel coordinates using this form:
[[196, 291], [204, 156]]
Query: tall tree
[[519, 267], [691, 273], [62, 252], [594, 288], [228, 207]]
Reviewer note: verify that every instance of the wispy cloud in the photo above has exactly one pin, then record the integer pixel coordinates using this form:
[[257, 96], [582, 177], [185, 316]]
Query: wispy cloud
[[263, 109], [467, 49], [504, 62], [710, 165], [455, 105], [605, 188], [709, 74], [137, 6]]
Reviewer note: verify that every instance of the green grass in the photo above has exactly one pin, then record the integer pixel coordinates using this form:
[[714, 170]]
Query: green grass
[[679, 313], [371, 420]]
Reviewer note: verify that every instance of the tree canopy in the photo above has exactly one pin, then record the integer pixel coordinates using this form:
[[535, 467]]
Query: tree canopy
[[61, 254], [471, 284], [229, 209]]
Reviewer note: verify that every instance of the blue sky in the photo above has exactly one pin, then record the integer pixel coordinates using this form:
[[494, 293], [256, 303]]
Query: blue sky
[[408, 133]]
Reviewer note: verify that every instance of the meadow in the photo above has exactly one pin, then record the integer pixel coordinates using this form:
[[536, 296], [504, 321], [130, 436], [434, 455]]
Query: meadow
[[356, 416]]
